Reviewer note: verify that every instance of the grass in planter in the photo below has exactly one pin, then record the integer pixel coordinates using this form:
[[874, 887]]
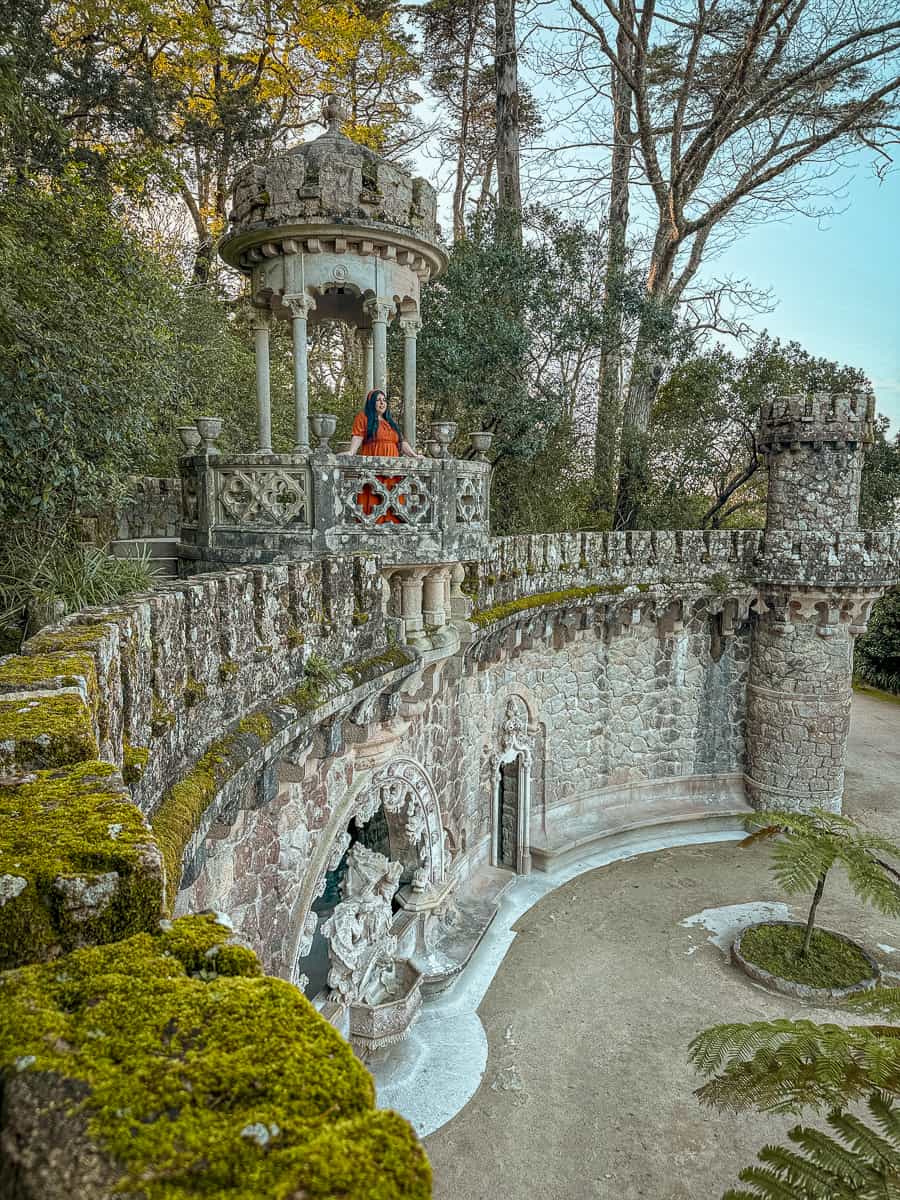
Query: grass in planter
[[829, 963]]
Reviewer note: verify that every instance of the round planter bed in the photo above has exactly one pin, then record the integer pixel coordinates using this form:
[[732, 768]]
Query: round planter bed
[[857, 961]]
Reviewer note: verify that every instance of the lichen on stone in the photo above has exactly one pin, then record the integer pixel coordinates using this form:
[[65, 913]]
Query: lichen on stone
[[91, 870], [177, 1063]]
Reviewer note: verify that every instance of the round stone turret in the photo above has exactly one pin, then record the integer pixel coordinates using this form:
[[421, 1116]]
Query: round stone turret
[[814, 447]]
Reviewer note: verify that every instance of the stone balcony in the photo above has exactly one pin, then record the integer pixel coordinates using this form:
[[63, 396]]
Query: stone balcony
[[256, 508]]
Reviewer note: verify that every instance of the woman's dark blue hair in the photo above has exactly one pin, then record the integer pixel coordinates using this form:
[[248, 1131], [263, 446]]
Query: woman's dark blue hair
[[372, 415]]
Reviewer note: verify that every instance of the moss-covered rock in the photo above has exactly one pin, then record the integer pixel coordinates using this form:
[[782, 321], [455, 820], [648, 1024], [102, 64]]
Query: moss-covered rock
[[39, 730], [77, 863], [177, 1084], [39, 672], [487, 616]]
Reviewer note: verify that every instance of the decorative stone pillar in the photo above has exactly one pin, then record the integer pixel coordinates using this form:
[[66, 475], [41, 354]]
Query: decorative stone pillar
[[411, 580], [369, 359], [300, 307], [380, 312], [263, 397], [433, 598], [410, 327], [460, 604], [801, 659]]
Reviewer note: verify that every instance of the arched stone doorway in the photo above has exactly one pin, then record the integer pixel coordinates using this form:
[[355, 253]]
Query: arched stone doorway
[[511, 791]]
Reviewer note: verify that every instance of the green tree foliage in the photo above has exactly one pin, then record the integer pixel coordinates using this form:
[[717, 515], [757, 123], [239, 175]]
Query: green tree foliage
[[796, 1066], [809, 844], [878, 508], [86, 349], [877, 656], [510, 343], [705, 471]]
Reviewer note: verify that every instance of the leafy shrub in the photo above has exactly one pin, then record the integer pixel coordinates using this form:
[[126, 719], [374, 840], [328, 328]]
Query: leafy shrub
[[877, 658], [40, 581]]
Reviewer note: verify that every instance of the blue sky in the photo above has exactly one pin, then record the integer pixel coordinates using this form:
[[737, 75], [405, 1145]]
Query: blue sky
[[836, 282]]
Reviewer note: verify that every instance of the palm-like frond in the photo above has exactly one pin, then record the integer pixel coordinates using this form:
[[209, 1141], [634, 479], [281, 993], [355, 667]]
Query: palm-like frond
[[809, 845], [853, 1161], [787, 1066]]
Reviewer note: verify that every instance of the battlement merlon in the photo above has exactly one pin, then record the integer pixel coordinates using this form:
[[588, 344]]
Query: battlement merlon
[[817, 418]]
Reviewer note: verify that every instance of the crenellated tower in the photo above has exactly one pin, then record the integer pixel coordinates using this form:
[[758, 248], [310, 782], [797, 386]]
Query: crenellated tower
[[814, 598], [814, 446]]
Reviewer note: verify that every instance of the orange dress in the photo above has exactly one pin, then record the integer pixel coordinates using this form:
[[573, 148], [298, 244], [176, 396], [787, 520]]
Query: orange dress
[[385, 444]]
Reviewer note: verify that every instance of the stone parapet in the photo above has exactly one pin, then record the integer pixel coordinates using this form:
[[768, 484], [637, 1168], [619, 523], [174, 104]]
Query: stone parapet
[[255, 508], [816, 418], [720, 559], [159, 677]]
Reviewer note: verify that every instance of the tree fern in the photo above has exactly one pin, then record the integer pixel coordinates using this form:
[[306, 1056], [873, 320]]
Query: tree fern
[[789, 1066], [851, 1162], [809, 844]]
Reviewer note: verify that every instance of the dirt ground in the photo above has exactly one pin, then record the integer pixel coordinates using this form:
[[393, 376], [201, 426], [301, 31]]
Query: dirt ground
[[587, 1091]]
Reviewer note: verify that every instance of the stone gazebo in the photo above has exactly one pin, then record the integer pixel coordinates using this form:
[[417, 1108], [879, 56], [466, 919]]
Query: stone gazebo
[[329, 231]]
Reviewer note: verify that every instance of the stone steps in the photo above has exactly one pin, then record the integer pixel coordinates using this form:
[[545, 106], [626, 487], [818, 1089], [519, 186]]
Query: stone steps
[[162, 551]]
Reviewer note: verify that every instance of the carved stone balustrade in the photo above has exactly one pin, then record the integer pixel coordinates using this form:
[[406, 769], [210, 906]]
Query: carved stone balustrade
[[257, 508]]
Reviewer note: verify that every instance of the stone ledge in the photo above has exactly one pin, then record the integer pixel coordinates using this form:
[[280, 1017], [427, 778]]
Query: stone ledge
[[686, 804]]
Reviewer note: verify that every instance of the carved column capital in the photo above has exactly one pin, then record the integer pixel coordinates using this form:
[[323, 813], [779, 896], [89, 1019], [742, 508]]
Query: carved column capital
[[262, 320], [299, 304], [380, 311], [410, 326]]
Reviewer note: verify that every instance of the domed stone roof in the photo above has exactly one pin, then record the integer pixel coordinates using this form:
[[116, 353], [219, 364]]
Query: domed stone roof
[[330, 180]]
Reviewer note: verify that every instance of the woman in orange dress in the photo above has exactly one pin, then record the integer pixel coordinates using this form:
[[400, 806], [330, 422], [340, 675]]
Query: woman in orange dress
[[375, 433]]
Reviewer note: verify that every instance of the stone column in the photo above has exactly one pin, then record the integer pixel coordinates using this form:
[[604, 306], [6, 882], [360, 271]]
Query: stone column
[[410, 327], [380, 312], [433, 598], [263, 398], [807, 614], [413, 618], [369, 358], [300, 306]]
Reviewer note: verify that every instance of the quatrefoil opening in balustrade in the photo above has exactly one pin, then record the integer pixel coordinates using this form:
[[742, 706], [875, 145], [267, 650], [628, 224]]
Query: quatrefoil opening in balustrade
[[416, 500], [268, 499], [469, 502], [370, 499]]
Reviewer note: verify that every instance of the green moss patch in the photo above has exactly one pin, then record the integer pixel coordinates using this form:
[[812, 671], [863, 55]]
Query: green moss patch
[[487, 616], [48, 730], [61, 832], [25, 671], [830, 962], [134, 761], [379, 664], [214, 1083]]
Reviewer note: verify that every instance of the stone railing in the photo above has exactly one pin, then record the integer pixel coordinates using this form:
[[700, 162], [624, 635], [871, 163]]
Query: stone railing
[[253, 508], [536, 563]]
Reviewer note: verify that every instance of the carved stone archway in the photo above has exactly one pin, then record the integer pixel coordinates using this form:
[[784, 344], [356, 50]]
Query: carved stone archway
[[514, 752], [404, 790]]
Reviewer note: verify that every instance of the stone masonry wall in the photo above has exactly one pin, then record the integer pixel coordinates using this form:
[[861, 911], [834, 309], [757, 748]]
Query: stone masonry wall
[[614, 710]]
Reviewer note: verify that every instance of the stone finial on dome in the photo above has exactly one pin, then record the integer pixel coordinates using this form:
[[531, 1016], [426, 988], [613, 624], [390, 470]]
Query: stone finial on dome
[[332, 113]]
